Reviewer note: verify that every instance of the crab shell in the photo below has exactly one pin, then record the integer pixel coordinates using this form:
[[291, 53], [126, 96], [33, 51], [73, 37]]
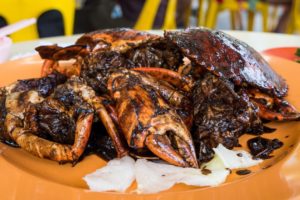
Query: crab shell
[[118, 39], [228, 57]]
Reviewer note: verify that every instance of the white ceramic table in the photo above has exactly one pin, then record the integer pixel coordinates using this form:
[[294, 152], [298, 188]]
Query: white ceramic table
[[258, 40]]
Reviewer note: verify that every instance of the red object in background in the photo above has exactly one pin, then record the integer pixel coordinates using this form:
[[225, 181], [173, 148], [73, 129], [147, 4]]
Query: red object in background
[[283, 52]]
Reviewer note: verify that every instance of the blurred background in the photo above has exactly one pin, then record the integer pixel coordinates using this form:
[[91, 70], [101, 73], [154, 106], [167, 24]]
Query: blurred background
[[67, 17]]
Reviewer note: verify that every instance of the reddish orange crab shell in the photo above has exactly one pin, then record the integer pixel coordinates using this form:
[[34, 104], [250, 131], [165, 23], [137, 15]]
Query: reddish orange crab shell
[[119, 39]]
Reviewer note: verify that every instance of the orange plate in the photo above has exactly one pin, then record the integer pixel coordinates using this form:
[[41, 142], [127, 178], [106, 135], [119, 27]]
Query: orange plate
[[25, 177]]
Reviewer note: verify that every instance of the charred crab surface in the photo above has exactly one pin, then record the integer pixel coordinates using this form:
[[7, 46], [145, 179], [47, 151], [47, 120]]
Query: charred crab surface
[[100, 52], [219, 88], [235, 61], [228, 57], [221, 115]]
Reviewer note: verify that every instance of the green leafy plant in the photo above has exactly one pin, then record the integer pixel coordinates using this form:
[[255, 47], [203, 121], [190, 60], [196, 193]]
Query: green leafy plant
[[298, 54]]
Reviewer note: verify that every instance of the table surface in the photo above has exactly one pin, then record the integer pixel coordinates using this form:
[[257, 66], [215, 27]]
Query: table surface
[[258, 40]]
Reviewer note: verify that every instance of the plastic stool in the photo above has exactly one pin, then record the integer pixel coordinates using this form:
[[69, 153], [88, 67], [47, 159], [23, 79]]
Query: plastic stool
[[294, 25], [234, 6], [15, 10], [148, 14]]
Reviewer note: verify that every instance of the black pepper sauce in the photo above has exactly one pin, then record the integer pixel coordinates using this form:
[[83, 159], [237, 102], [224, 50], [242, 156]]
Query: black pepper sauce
[[262, 147], [243, 172]]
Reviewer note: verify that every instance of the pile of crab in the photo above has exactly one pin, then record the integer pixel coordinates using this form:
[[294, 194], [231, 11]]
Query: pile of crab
[[124, 92]]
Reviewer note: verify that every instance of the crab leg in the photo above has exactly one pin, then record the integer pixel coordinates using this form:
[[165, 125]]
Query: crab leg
[[172, 77], [53, 53], [112, 112], [97, 102], [285, 112], [47, 149], [67, 69], [111, 128], [48, 67], [272, 108]]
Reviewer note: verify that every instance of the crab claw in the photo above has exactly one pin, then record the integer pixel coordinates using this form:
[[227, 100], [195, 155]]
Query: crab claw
[[169, 139], [146, 120]]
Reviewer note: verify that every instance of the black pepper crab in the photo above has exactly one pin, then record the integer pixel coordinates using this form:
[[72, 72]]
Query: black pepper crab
[[178, 95], [52, 117]]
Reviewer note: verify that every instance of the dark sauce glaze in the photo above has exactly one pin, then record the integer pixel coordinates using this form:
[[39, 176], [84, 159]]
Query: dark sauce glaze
[[239, 155], [100, 143], [269, 130], [262, 147], [243, 172], [44, 86], [221, 115], [205, 171]]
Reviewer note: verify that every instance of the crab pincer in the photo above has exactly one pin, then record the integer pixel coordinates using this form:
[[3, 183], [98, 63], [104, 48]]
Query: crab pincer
[[146, 120]]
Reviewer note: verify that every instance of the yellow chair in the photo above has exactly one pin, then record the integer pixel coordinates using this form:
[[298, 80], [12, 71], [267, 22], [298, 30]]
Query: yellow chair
[[148, 14], [15, 10], [234, 6], [200, 13], [294, 25]]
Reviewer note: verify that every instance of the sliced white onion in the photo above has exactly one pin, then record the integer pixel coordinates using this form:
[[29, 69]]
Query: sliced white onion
[[152, 177], [155, 177], [117, 175], [234, 159]]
